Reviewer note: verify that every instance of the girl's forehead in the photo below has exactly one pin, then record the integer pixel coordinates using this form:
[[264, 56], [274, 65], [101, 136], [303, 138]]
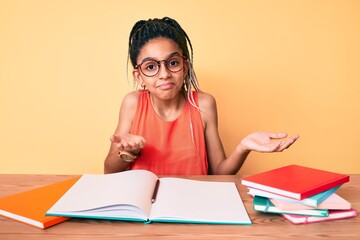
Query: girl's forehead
[[158, 48]]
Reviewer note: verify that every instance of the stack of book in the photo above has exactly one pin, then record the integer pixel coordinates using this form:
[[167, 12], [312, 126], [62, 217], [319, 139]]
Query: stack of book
[[300, 194]]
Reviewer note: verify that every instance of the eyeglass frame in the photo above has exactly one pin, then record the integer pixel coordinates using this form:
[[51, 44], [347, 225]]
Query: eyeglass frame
[[138, 66]]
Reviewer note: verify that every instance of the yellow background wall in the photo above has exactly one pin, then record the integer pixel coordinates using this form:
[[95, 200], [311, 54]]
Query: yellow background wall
[[289, 66]]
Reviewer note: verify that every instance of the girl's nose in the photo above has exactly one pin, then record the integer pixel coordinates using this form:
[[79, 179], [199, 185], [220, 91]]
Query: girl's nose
[[163, 71]]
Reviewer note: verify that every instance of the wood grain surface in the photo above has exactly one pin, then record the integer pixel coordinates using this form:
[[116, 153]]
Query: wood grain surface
[[265, 226]]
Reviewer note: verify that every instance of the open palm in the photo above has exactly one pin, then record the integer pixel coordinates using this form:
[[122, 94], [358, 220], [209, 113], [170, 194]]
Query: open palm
[[268, 141]]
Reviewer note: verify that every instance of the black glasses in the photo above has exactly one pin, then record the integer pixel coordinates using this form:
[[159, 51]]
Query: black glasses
[[150, 67]]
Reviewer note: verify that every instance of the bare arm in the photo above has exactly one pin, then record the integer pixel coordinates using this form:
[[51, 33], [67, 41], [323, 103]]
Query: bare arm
[[219, 163], [258, 141], [122, 139]]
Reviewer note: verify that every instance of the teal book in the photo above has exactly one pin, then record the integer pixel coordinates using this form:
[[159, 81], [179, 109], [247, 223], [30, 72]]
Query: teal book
[[263, 204], [312, 201], [139, 195]]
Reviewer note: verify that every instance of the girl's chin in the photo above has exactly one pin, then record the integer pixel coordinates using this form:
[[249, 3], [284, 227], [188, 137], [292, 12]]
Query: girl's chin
[[168, 93]]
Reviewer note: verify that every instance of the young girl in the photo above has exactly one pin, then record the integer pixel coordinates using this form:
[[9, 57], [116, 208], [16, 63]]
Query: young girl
[[167, 127]]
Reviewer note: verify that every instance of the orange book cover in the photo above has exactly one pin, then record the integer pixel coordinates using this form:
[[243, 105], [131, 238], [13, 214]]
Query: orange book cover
[[30, 206]]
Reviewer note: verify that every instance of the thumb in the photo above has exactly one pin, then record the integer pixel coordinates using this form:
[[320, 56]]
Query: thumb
[[115, 138]]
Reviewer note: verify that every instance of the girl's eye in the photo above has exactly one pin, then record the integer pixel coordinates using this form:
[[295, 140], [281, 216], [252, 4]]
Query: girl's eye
[[150, 66], [173, 63]]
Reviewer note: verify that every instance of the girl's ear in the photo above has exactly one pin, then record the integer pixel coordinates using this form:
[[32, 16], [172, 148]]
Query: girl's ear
[[137, 77], [186, 68]]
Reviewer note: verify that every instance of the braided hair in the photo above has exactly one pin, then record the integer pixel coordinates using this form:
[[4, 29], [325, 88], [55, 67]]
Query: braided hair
[[145, 30]]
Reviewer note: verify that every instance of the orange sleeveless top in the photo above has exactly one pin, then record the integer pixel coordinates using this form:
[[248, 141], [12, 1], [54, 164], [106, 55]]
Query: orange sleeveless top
[[171, 147]]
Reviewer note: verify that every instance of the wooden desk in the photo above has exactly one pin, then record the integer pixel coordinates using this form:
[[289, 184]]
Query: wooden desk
[[265, 226]]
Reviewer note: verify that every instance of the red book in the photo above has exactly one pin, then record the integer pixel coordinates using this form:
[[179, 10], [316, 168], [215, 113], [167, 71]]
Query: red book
[[30, 206], [294, 181]]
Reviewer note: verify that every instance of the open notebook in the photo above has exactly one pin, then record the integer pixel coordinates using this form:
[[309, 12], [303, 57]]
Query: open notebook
[[128, 196]]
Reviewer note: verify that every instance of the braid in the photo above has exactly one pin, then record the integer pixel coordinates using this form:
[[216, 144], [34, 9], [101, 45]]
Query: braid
[[135, 29], [133, 37], [176, 25]]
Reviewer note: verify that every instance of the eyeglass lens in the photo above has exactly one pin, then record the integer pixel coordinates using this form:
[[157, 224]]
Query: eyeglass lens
[[151, 67]]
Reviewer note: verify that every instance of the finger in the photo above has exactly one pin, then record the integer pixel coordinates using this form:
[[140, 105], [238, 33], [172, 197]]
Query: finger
[[286, 144], [134, 145], [138, 142], [128, 149], [112, 138], [126, 144], [140, 145], [295, 137], [277, 135], [141, 142], [120, 147]]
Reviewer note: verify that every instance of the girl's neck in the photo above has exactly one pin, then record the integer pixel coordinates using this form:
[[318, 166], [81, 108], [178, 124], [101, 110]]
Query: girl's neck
[[168, 109]]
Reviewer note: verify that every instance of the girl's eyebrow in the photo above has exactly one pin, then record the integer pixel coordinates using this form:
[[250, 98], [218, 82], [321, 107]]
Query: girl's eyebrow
[[153, 59]]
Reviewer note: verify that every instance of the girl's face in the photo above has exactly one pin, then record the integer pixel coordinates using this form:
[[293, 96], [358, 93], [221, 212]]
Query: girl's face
[[165, 84]]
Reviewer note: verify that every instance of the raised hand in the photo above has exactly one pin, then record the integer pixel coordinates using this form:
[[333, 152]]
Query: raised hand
[[128, 142], [267, 142]]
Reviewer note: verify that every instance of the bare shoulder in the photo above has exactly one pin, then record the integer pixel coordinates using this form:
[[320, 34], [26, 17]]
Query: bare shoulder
[[129, 105], [207, 102], [131, 99]]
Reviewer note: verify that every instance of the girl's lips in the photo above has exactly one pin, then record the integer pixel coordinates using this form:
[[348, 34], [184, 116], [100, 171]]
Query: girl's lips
[[166, 86]]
